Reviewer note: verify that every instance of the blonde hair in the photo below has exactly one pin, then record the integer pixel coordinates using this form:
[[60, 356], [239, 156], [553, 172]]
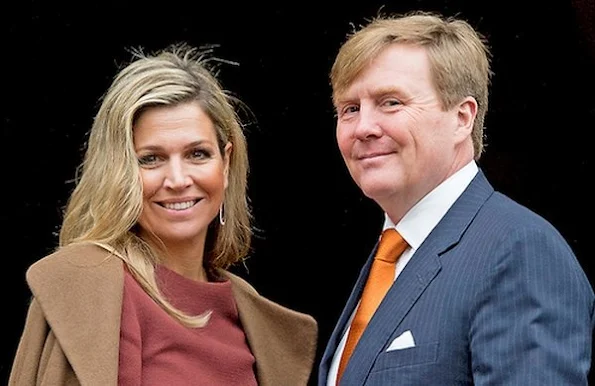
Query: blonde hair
[[107, 200], [459, 58]]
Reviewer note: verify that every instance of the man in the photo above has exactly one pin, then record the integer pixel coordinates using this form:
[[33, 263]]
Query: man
[[486, 291]]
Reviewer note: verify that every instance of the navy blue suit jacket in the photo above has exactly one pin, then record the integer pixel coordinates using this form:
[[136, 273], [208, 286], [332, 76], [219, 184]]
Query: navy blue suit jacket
[[493, 296]]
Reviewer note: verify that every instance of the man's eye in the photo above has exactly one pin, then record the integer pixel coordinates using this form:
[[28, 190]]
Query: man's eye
[[391, 102], [350, 109]]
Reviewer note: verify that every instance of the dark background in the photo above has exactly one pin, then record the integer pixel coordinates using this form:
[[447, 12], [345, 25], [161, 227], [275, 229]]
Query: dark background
[[316, 229]]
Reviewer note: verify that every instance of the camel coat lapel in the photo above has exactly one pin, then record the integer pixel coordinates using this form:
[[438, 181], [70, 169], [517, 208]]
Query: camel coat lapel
[[77, 338], [282, 341]]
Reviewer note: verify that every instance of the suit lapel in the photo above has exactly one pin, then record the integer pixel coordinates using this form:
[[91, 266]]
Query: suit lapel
[[86, 325], [341, 325], [402, 295], [419, 272]]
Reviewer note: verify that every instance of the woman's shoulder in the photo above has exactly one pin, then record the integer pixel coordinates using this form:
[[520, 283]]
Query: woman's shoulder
[[238, 282], [79, 254], [272, 328], [245, 293], [72, 261]]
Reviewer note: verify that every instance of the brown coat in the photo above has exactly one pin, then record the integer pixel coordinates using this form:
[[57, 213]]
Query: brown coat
[[72, 331]]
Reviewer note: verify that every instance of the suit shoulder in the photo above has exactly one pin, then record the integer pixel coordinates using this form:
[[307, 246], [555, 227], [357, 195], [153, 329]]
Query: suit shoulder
[[512, 224], [515, 214]]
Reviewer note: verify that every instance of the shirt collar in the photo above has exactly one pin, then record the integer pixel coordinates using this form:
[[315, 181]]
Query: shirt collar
[[419, 221]]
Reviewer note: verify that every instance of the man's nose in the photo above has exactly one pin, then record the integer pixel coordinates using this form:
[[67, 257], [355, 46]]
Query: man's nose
[[367, 124]]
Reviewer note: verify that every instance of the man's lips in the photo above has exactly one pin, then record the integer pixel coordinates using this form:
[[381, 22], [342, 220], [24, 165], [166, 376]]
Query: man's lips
[[375, 154]]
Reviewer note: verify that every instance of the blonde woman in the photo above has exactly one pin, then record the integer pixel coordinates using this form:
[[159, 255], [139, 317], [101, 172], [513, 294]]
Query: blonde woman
[[138, 291]]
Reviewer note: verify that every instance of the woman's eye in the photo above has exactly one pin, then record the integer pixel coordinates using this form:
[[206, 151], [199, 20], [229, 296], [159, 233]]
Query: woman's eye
[[200, 154], [148, 160]]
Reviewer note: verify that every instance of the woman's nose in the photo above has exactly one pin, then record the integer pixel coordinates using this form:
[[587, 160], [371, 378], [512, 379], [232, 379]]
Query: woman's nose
[[177, 176]]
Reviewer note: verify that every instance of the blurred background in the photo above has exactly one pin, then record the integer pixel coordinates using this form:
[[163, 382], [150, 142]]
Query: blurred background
[[315, 227]]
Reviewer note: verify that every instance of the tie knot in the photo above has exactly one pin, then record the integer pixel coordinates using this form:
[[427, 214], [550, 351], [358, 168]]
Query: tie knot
[[391, 246]]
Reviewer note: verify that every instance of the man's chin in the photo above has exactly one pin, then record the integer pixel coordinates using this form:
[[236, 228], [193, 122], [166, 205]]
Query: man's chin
[[377, 191]]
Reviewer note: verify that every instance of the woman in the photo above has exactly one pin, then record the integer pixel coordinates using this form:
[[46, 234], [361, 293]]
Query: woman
[[138, 291]]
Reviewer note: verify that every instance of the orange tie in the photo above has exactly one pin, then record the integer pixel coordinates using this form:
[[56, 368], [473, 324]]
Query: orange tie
[[382, 275]]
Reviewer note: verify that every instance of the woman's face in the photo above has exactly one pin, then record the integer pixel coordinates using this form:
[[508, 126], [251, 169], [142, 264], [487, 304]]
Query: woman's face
[[183, 173]]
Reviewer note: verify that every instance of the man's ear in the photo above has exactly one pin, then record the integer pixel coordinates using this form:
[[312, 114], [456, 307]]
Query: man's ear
[[466, 113]]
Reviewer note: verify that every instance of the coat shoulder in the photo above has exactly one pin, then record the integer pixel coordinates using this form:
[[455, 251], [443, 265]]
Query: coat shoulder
[[282, 339], [246, 288], [69, 262]]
